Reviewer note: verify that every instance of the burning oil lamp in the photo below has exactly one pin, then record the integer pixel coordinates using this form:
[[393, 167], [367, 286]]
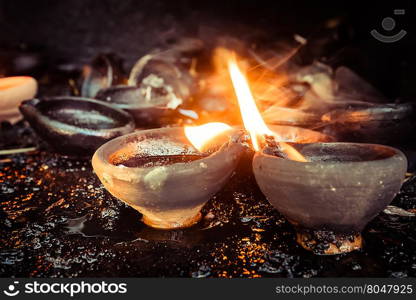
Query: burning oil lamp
[[13, 90], [164, 175], [329, 191], [334, 193]]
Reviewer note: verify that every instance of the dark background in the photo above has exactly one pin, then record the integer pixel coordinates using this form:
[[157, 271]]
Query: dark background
[[75, 30]]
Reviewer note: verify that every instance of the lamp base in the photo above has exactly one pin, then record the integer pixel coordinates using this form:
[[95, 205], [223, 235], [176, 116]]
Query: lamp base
[[170, 224], [329, 243]]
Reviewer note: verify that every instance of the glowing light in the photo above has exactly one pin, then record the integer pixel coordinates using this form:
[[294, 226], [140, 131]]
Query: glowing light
[[252, 118], [199, 136]]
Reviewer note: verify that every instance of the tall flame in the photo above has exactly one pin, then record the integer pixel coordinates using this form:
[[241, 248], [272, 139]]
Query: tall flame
[[199, 136], [252, 119]]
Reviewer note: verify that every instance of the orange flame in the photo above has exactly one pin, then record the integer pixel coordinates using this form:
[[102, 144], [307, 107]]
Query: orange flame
[[252, 119], [199, 136]]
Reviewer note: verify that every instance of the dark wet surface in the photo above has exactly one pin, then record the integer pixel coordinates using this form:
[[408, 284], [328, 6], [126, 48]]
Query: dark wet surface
[[56, 219]]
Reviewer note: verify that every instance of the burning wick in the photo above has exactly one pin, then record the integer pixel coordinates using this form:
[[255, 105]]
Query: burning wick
[[252, 119], [199, 136]]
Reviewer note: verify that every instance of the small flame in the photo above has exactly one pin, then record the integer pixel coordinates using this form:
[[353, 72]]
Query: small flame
[[252, 119], [199, 136]]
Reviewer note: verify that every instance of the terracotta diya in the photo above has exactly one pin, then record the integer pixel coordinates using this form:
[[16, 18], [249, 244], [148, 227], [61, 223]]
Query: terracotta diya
[[334, 194], [373, 123], [162, 175]]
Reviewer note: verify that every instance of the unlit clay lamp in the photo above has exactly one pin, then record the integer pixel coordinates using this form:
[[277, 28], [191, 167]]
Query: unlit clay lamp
[[162, 175], [334, 194], [75, 126], [13, 90]]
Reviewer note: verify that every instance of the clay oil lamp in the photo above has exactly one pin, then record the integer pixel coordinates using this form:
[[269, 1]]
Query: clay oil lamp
[[329, 191], [160, 77], [157, 87], [76, 126], [371, 123], [147, 114], [286, 133], [13, 90], [164, 175]]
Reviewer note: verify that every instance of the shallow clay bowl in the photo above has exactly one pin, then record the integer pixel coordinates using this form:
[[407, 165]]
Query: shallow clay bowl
[[341, 187], [76, 126], [169, 195], [129, 98]]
